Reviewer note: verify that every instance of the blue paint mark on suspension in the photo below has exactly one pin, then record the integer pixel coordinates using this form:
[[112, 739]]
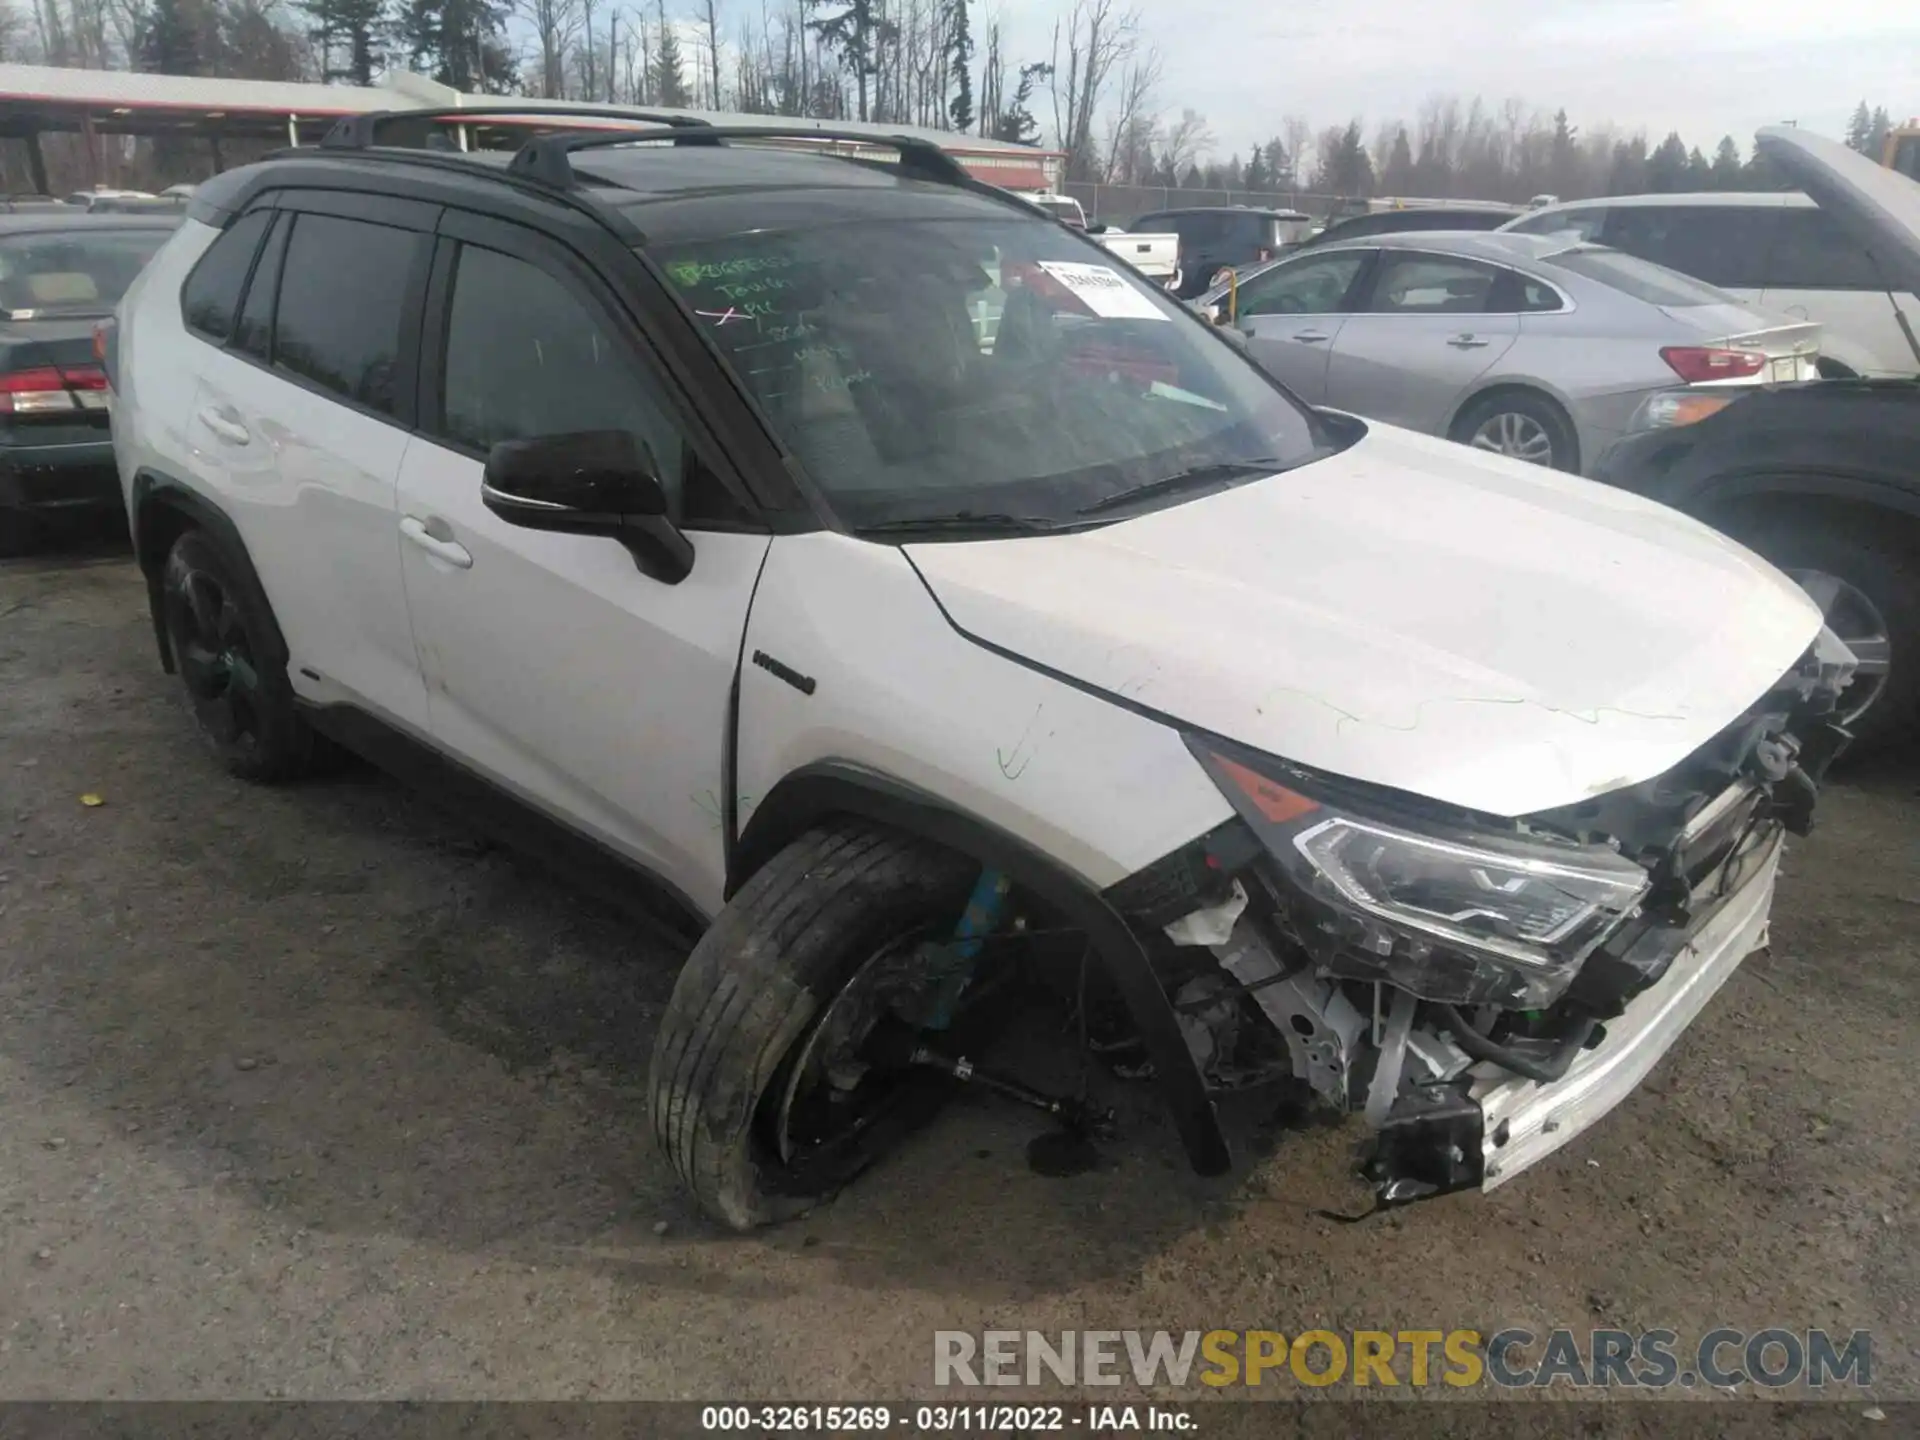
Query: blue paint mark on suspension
[[981, 917]]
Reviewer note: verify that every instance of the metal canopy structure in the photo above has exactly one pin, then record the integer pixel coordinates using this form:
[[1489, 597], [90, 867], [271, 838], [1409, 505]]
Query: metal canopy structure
[[38, 100]]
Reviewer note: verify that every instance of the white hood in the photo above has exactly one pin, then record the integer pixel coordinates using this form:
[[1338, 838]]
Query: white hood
[[1411, 613]]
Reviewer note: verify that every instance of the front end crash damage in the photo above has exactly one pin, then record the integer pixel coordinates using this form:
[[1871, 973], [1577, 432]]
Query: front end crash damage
[[1481, 990]]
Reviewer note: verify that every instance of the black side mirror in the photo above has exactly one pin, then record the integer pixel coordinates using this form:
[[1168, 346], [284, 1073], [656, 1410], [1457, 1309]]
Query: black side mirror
[[591, 482]]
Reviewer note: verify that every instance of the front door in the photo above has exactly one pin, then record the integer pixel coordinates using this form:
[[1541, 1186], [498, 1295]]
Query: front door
[[553, 666], [1292, 313]]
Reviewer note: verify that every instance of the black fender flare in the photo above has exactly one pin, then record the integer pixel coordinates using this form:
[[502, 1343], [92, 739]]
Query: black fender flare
[[155, 494], [815, 792], [1726, 492]]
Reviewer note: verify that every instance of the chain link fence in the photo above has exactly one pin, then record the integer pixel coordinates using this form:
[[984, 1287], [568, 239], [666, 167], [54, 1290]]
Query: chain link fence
[[1122, 204]]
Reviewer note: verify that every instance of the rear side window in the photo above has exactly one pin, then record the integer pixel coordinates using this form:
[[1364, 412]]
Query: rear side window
[[1810, 252], [1635, 277], [1584, 223], [1724, 245], [212, 292], [342, 291]]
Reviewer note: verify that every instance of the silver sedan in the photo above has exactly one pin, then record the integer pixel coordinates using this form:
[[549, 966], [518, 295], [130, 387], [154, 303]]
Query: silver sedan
[[1541, 347]]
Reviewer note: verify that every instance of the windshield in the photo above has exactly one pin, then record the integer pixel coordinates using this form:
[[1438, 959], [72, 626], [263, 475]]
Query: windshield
[[52, 273], [1641, 279], [931, 368]]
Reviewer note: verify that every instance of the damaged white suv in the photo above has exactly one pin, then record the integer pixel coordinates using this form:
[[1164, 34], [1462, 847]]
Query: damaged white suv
[[935, 611]]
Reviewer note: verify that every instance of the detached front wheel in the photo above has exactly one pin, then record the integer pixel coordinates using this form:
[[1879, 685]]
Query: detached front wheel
[[782, 1068]]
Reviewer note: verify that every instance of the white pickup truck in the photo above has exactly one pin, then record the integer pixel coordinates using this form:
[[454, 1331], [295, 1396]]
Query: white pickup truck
[[1157, 256]]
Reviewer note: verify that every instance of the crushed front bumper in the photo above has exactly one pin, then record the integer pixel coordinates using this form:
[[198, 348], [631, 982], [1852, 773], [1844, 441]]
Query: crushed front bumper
[[1428, 1145]]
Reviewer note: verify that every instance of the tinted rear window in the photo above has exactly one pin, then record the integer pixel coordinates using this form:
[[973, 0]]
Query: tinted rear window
[[49, 273], [1637, 278], [342, 291], [212, 291], [1724, 245]]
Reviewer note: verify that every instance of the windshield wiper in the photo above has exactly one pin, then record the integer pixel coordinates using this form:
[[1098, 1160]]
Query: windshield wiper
[[1185, 479], [994, 524]]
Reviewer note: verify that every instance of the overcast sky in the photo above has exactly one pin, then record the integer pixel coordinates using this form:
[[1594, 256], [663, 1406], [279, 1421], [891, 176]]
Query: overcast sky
[[1706, 68]]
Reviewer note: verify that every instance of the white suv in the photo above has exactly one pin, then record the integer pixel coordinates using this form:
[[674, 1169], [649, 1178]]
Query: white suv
[[667, 493], [1781, 252]]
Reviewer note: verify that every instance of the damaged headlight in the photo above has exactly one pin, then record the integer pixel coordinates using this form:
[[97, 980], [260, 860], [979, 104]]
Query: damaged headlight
[[1452, 913]]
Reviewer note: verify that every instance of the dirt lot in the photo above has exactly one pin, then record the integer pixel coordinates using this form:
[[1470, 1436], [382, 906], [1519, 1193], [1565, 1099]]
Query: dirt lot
[[308, 1092]]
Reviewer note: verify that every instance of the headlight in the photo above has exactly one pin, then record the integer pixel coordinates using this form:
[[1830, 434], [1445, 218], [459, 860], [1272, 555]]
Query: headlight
[[1451, 913], [1670, 408]]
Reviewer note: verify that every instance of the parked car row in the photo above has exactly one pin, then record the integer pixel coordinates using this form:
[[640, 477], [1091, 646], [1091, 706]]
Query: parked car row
[[1571, 337]]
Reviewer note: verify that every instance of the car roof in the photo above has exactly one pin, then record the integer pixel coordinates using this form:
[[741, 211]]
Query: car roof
[[1706, 199], [667, 191], [1500, 246], [1265, 210], [20, 222]]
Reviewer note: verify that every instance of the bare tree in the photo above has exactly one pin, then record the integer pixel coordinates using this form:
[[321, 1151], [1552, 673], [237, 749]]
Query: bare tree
[[1133, 128], [556, 26], [1188, 141], [1295, 134], [1096, 40], [710, 18]]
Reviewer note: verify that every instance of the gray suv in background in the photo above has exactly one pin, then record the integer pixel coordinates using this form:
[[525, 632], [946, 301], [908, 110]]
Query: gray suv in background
[[1780, 252]]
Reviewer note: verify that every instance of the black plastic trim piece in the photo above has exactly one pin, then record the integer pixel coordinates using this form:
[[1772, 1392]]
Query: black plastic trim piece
[[815, 792]]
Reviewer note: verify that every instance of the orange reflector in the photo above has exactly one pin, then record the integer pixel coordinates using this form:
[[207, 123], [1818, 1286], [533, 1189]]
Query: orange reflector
[[1690, 409], [1274, 801]]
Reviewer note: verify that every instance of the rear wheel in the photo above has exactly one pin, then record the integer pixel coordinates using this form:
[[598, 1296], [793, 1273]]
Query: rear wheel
[[1866, 580], [219, 634], [1521, 425], [781, 1069]]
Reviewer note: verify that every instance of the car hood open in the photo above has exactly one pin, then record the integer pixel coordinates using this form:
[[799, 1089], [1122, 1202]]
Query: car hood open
[[1878, 207], [1408, 612]]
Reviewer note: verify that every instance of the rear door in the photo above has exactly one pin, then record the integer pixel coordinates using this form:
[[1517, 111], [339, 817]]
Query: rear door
[[1424, 329], [302, 420], [1292, 313]]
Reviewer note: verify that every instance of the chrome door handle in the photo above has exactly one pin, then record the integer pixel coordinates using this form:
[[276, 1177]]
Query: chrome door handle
[[454, 553], [224, 426], [1310, 337], [1468, 342]]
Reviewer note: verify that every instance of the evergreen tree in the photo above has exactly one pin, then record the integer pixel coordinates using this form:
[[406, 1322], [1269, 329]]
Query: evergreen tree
[[1667, 166], [347, 33], [1397, 177], [1877, 131], [1016, 125], [960, 108], [1726, 165], [1860, 128], [461, 43], [669, 69], [1256, 176], [856, 35], [180, 37], [1279, 167], [1699, 170]]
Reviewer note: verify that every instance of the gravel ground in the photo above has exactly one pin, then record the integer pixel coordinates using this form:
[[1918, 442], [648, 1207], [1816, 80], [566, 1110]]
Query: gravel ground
[[308, 1092]]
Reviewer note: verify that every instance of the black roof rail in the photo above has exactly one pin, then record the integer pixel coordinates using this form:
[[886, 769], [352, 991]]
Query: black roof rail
[[546, 158], [361, 132]]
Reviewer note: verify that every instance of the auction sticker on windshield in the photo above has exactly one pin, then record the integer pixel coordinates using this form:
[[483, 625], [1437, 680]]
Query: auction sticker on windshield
[[1102, 290]]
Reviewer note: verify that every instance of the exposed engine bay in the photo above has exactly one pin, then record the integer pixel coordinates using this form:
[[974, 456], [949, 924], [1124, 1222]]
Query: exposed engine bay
[[1480, 990]]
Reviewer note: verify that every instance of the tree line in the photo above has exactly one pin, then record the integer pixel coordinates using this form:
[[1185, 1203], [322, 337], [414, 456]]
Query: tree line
[[1094, 92]]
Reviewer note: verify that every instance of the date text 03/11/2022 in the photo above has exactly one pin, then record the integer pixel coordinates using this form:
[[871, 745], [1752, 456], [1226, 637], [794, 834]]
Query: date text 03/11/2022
[[943, 1419]]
